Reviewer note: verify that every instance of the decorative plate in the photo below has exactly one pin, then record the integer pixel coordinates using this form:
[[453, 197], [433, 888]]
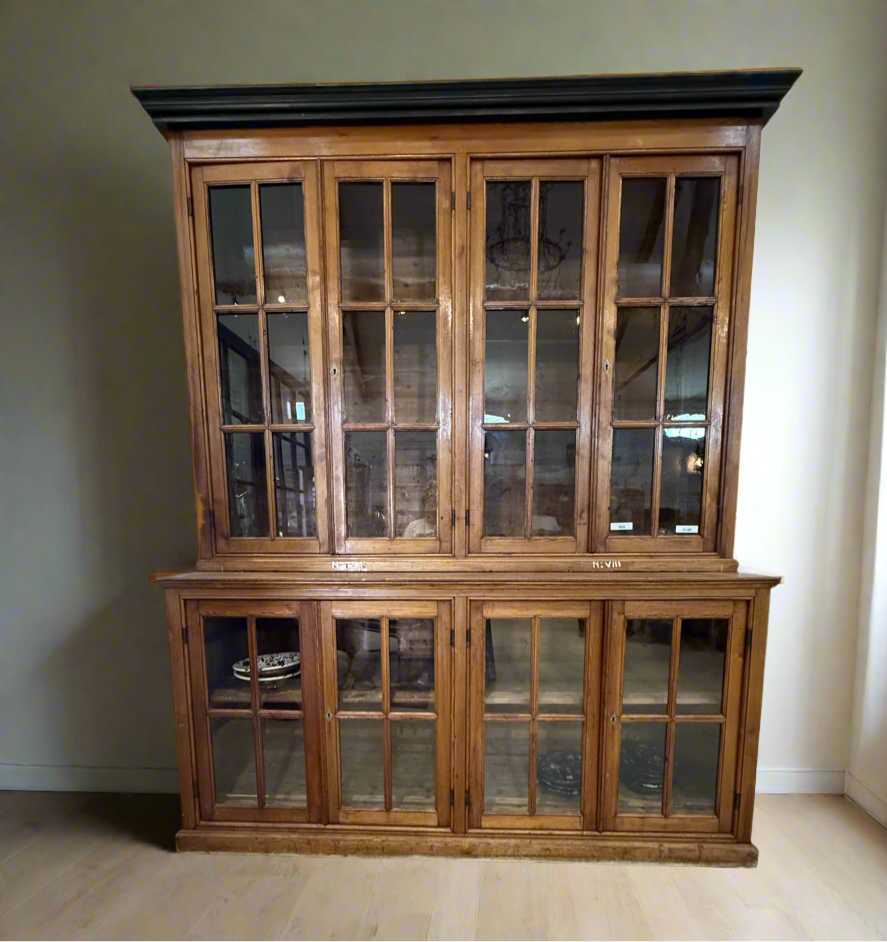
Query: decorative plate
[[270, 666], [560, 772]]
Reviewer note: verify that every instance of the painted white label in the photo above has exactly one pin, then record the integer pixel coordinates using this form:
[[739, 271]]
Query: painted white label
[[300, 411], [685, 529], [345, 565], [622, 526]]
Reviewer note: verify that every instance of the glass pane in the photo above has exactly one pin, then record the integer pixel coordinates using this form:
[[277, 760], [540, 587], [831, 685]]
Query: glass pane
[[415, 366], [641, 768], [279, 647], [366, 484], [641, 237], [508, 240], [558, 768], [285, 781], [561, 665], [363, 365], [695, 236], [701, 664], [234, 761], [505, 475], [226, 652], [294, 484], [683, 461], [506, 767], [507, 668], [636, 370], [554, 482], [694, 786], [647, 661], [505, 366], [362, 241], [411, 663], [361, 759], [415, 484], [247, 486], [283, 243], [413, 772], [240, 369], [289, 363], [561, 218], [631, 481], [413, 241], [687, 365], [359, 664], [557, 365], [234, 256]]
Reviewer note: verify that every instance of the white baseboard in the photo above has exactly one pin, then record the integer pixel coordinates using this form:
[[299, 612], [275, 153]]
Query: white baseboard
[[800, 781], [867, 799], [76, 778]]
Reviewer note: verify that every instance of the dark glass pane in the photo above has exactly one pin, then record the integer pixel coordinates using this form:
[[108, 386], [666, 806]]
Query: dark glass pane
[[413, 772], [683, 460], [558, 768], [701, 665], [286, 784], [687, 366], [505, 476], [647, 662], [694, 785], [561, 218], [415, 484], [294, 484], [226, 653], [366, 483], [362, 241], [505, 366], [506, 767], [507, 671], [279, 647], [641, 768], [361, 759], [247, 485], [413, 241], [234, 761], [289, 363], [411, 663], [415, 366], [234, 256], [695, 236], [240, 369], [636, 370], [557, 365], [508, 240], [631, 481], [363, 365], [561, 665], [359, 664], [641, 238], [554, 482], [283, 243]]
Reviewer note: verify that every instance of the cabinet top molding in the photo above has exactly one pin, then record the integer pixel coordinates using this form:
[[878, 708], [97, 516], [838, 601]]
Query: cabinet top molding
[[748, 94]]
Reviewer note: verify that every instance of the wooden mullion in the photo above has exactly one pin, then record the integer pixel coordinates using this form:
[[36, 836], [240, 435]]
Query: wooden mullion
[[258, 732], [668, 235], [390, 449], [531, 366], [529, 458], [236, 308], [389, 406], [534, 710], [386, 708], [534, 237], [386, 239], [531, 766], [668, 771], [507, 717]]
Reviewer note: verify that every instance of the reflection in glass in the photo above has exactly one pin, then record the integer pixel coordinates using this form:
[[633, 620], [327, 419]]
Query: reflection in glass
[[240, 369], [641, 238], [413, 241], [289, 366], [631, 481], [641, 768], [363, 365], [561, 665], [225, 643], [506, 767], [361, 759], [415, 366], [359, 664], [505, 475], [507, 249], [683, 461], [411, 663], [413, 777], [694, 242], [561, 218], [284, 747], [234, 761], [280, 680], [636, 371], [694, 786], [366, 484], [701, 665], [234, 257], [647, 662], [554, 482], [247, 485], [558, 768], [557, 365], [362, 241], [687, 366], [415, 484], [283, 243], [508, 646], [294, 493], [505, 366]]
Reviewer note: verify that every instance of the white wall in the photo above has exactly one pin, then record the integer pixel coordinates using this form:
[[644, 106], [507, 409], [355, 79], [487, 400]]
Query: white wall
[[94, 453]]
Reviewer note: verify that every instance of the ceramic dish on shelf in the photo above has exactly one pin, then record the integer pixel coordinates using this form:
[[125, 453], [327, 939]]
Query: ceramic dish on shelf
[[279, 666]]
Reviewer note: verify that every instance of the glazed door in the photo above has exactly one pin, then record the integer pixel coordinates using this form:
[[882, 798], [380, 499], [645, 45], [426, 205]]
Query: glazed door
[[387, 691], [674, 682], [534, 680], [255, 697]]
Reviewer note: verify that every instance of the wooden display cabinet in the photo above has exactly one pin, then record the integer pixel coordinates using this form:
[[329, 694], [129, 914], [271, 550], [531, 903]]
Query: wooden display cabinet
[[465, 371]]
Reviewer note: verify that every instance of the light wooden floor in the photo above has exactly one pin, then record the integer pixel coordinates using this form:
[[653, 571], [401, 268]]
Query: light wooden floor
[[75, 866]]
